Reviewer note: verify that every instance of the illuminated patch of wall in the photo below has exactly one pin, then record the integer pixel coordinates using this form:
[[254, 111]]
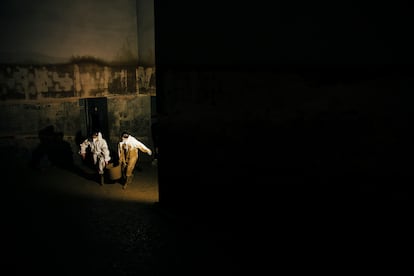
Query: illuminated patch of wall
[[50, 32], [35, 82]]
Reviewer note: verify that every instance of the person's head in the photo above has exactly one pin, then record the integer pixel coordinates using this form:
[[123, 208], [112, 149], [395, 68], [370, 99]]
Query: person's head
[[95, 135], [124, 135]]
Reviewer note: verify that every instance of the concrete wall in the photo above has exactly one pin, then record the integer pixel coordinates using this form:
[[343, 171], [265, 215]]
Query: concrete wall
[[22, 121], [133, 114], [146, 42], [85, 79], [42, 82]]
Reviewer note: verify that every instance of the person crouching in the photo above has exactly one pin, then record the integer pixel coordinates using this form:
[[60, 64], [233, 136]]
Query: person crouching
[[99, 150], [128, 156]]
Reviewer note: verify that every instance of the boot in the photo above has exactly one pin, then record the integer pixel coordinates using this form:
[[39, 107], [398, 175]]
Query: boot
[[123, 172], [102, 179], [127, 182]]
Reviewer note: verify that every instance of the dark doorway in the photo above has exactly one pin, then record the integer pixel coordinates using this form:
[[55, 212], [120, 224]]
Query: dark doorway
[[94, 116]]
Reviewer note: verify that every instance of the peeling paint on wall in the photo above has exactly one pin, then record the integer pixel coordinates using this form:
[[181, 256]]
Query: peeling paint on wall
[[32, 82]]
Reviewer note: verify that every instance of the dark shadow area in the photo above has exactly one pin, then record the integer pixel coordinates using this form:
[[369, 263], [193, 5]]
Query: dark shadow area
[[52, 150], [155, 135], [286, 124], [303, 113], [55, 233]]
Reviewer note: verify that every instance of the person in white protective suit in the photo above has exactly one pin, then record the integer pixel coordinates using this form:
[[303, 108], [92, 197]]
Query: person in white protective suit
[[99, 150], [128, 155]]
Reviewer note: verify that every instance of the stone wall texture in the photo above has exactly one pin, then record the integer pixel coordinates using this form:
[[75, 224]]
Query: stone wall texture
[[37, 97]]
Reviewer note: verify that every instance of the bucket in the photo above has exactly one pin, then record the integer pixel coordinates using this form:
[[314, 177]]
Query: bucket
[[114, 171]]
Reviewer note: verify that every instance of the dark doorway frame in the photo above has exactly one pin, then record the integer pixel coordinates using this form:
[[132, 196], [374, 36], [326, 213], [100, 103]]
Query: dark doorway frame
[[94, 116]]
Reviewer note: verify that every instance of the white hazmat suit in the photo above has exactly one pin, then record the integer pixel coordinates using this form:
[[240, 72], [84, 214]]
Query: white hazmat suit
[[99, 149]]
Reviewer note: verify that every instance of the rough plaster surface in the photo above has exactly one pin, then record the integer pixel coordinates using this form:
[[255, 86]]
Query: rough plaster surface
[[21, 122], [35, 82]]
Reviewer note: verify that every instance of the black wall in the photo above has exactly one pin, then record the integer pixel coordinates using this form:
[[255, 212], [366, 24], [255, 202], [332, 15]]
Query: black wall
[[221, 153]]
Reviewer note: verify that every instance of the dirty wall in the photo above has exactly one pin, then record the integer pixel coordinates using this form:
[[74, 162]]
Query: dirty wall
[[36, 97]]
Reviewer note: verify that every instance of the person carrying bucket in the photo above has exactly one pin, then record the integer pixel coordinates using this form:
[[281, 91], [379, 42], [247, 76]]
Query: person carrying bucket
[[128, 149], [100, 152]]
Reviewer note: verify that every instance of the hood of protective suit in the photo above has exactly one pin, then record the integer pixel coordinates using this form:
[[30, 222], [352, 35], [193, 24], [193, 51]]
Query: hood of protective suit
[[98, 137], [126, 140]]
